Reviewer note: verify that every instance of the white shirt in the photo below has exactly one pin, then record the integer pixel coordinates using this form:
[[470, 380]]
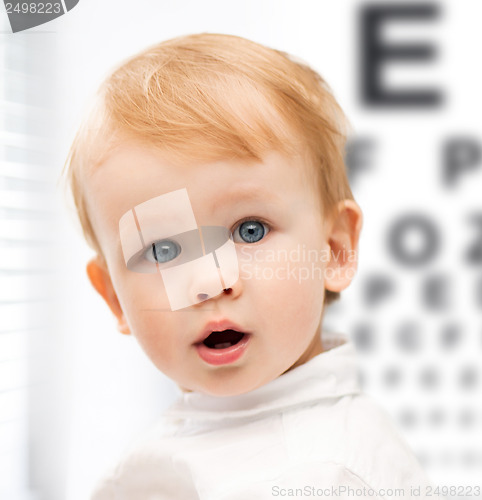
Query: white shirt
[[308, 433]]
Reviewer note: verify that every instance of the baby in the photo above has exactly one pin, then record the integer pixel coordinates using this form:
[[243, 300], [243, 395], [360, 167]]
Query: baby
[[209, 179]]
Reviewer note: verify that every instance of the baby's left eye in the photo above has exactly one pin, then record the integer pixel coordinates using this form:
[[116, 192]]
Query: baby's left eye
[[250, 231]]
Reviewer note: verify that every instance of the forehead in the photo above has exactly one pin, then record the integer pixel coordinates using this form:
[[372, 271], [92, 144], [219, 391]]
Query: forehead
[[137, 172]]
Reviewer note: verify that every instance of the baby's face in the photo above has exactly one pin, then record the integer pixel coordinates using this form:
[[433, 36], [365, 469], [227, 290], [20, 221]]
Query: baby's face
[[269, 317]]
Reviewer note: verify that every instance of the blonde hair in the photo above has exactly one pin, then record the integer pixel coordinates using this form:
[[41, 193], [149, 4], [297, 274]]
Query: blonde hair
[[208, 97]]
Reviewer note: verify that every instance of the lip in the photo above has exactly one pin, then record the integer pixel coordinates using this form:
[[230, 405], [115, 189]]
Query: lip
[[224, 356]]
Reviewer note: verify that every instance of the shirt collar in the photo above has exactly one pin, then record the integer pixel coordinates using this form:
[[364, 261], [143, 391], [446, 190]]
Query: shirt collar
[[331, 374]]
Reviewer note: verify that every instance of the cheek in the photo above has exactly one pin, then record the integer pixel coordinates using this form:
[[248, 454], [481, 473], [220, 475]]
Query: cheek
[[288, 312], [155, 328], [289, 270], [145, 305], [287, 292], [140, 292]]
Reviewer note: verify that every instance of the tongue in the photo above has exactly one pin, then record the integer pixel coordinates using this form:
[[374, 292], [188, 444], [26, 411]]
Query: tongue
[[222, 345], [221, 340]]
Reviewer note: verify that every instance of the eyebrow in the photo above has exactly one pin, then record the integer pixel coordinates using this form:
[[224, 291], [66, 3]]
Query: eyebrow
[[248, 193]]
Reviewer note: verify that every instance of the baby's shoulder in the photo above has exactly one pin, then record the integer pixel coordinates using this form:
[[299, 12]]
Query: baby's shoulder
[[353, 422], [356, 433]]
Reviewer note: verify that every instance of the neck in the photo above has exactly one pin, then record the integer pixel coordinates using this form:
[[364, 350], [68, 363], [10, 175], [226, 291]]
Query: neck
[[315, 348]]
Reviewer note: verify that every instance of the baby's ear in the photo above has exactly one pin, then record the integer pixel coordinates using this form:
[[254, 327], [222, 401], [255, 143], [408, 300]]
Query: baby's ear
[[100, 279], [343, 234]]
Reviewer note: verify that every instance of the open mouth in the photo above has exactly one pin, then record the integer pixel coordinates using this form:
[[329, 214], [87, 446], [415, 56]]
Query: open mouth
[[223, 339], [221, 344]]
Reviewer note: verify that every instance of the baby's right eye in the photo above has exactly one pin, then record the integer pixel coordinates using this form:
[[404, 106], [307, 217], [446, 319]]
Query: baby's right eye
[[163, 251]]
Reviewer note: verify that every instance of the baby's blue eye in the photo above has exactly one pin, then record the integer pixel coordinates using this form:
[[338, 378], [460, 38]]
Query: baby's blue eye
[[250, 231], [163, 251]]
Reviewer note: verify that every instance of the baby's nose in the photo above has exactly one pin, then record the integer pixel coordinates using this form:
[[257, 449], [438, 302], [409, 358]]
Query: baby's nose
[[205, 285], [205, 296], [199, 279]]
